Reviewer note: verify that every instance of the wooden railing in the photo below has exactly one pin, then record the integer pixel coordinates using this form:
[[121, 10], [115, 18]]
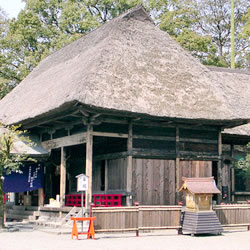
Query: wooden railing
[[233, 215], [137, 218]]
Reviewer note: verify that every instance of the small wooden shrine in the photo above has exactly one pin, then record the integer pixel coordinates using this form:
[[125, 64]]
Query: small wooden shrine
[[199, 217]]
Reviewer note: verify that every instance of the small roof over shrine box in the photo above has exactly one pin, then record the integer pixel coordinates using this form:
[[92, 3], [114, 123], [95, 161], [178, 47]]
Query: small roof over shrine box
[[199, 216], [199, 193]]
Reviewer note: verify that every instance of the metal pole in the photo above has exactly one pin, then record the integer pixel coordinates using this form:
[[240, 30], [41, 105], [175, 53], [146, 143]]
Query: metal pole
[[82, 209], [232, 36]]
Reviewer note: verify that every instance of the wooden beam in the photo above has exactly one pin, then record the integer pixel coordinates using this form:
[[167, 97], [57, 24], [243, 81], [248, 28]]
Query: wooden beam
[[199, 154], [159, 138], [111, 156], [89, 163], [219, 166], [204, 141], [48, 120], [65, 141], [177, 164], [232, 174], [83, 112], [242, 193], [173, 125], [61, 122], [60, 126], [130, 164], [62, 177], [113, 120], [40, 197], [106, 176], [198, 157], [153, 153], [107, 134]]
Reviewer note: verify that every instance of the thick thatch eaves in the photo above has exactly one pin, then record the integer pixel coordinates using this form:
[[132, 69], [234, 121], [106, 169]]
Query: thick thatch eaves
[[128, 65], [240, 130], [235, 87]]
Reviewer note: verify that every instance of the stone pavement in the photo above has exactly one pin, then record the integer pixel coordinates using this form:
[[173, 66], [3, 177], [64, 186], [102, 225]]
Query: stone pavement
[[29, 238]]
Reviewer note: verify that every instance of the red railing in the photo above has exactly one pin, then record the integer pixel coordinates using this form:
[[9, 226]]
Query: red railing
[[99, 200], [5, 198]]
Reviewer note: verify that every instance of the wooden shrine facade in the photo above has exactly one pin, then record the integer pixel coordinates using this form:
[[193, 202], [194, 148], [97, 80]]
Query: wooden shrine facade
[[141, 157]]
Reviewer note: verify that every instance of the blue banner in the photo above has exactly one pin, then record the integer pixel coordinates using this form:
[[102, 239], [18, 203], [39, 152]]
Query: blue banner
[[30, 179]]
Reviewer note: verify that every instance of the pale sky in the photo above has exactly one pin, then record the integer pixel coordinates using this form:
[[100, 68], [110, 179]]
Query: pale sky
[[12, 7]]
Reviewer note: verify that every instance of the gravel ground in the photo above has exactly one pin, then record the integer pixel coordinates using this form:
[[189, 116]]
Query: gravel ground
[[28, 238]]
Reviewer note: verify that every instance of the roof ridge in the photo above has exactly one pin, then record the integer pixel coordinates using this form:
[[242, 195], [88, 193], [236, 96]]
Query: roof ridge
[[127, 13], [229, 70]]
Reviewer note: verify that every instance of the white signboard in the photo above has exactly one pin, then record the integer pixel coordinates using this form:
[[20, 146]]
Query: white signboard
[[82, 182]]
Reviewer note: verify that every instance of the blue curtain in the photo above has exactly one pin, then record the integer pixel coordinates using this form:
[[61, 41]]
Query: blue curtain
[[30, 179]]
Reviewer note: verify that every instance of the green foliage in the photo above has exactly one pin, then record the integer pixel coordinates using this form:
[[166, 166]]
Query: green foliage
[[45, 26], [244, 165], [203, 27], [9, 161]]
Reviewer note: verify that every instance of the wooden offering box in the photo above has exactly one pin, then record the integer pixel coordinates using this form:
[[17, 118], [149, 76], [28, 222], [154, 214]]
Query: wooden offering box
[[199, 216]]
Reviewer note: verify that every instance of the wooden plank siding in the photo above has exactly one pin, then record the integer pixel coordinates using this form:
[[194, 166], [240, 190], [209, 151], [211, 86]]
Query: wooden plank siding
[[160, 157], [117, 172], [233, 214], [194, 169], [97, 182], [137, 218], [153, 181]]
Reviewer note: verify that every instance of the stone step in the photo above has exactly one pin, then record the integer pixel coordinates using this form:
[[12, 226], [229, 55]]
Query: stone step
[[26, 208], [17, 217], [20, 212]]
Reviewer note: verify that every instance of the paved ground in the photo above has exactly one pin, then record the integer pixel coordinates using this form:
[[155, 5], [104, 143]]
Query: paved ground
[[28, 238]]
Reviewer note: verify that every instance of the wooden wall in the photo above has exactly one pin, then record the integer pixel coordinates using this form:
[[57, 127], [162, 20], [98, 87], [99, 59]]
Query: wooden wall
[[96, 173], [194, 169], [153, 181], [117, 172]]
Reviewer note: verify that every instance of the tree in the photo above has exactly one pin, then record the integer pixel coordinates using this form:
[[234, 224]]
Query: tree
[[47, 25], [244, 165], [10, 162], [206, 24], [4, 86]]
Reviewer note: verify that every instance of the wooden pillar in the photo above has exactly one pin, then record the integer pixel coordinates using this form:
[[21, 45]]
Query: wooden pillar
[[232, 176], [62, 177], [89, 163], [177, 164], [129, 164], [106, 176], [40, 197], [219, 168]]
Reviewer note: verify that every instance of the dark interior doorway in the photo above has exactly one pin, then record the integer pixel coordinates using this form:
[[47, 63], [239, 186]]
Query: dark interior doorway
[[215, 175]]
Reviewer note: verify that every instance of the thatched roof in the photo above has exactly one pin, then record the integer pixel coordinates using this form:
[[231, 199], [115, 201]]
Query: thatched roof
[[237, 88], [33, 149], [130, 65], [240, 130]]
